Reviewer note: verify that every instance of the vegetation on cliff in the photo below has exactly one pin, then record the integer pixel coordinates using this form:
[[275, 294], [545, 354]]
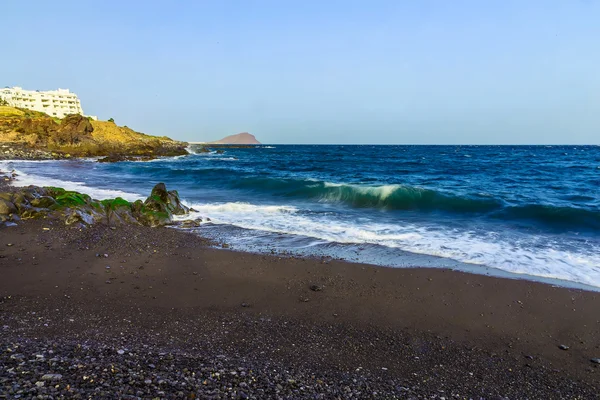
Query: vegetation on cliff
[[78, 136]]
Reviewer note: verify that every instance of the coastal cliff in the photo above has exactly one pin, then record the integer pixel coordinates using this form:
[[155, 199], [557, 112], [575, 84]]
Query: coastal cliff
[[26, 134]]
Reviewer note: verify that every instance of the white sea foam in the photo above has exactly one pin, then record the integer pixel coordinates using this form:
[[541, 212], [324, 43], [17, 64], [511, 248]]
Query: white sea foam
[[527, 254], [24, 179]]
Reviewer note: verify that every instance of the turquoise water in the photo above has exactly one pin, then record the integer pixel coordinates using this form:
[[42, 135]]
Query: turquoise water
[[532, 210]]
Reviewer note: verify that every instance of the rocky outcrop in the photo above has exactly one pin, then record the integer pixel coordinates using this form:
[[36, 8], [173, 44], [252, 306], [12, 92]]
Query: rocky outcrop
[[120, 157], [35, 202], [26, 134]]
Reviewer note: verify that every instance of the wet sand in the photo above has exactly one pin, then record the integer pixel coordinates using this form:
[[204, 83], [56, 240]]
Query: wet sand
[[429, 331]]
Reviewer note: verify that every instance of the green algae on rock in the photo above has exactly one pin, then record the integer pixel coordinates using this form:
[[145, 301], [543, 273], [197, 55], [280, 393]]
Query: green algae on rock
[[34, 202]]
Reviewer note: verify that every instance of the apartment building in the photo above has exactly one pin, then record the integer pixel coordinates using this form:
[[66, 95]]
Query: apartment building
[[56, 103]]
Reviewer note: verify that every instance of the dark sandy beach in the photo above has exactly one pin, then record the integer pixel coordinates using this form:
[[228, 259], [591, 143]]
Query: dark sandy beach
[[164, 315]]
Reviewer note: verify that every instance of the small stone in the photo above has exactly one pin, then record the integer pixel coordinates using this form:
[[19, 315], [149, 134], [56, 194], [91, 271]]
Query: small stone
[[595, 360], [563, 347], [304, 299], [40, 384], [120, 352], [316, 288], [245, 305], [52, 377]]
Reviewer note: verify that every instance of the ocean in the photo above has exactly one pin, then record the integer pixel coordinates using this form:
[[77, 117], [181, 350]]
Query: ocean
[[516, 211]]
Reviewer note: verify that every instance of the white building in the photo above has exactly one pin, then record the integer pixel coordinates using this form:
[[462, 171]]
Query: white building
[[56, 103]]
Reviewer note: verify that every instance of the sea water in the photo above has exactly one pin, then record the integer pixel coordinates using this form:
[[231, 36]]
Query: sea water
[[527, 210]]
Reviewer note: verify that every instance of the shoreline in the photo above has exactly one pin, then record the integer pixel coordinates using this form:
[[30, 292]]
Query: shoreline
[[147, 292], [460, 266], [168, 290], [451, 264]]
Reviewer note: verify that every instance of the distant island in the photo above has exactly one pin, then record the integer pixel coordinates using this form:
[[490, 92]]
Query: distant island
[[240, 138]]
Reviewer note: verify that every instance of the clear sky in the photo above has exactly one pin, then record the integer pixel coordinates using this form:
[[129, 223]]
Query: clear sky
[[431, 72]]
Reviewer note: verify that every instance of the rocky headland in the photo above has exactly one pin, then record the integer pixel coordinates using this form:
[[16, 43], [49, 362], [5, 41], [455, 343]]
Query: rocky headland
[[26, 134]]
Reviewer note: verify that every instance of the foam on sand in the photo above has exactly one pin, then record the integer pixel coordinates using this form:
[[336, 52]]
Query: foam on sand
[[526, 254]]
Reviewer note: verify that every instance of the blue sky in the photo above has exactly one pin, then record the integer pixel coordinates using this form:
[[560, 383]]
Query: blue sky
[[431, 72]]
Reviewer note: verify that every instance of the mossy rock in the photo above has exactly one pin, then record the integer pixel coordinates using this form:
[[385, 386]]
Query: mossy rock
[[55, 191], [7, 207], [112, 204], [84, 215], [43, 202], [137, 206], [72, 199], [162, 200], [34, 213], [33, 192], [155, 218]]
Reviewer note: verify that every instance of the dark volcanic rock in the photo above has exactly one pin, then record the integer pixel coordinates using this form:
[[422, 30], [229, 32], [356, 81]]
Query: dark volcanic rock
[[74, 129], [75, 208], [121, 157], [6, 207], [162, 200]]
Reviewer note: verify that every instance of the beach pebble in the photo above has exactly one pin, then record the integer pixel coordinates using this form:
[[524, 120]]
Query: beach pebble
[[120, 352], [595, 360], [563, 347], [52, 377], [316, 288]]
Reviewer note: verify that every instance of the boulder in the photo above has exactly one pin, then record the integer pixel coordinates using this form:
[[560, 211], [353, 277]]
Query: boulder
[[34, 213], [159, 208], [43, 202], [190, 223], [33, 192], [170, 199], [20, 202], [78, 216], [74, 129], [7, 207]]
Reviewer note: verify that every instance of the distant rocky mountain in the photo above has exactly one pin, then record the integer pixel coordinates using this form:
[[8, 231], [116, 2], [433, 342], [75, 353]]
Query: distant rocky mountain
[[240, 138]]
